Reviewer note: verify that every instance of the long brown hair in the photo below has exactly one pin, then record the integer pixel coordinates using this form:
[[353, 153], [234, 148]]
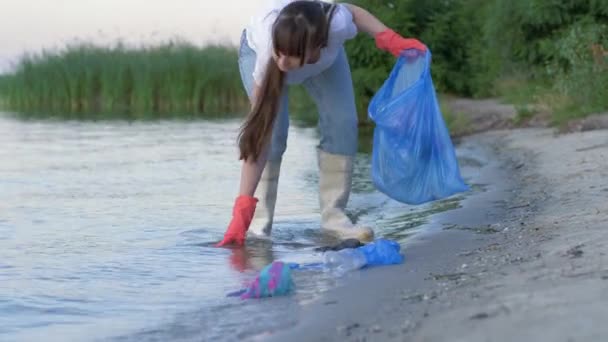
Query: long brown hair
[[301, 27]]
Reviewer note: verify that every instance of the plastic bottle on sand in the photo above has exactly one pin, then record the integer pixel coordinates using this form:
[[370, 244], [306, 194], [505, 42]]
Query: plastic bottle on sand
[[345, 260]]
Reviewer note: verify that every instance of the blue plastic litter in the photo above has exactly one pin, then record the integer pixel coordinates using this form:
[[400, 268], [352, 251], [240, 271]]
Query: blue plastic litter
[[382, 252], [275, 279], [378, 252], [413, 159]]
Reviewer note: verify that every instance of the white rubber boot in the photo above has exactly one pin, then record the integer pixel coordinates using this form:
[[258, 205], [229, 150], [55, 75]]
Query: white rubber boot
[[335, 178], [266, 192]]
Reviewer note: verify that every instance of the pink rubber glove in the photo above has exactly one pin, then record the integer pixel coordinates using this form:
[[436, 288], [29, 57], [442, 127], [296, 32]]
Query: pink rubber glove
[[392, 42], [242, 214]]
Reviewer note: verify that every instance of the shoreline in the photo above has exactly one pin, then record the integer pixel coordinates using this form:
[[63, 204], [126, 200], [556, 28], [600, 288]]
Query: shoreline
[[536, 270]]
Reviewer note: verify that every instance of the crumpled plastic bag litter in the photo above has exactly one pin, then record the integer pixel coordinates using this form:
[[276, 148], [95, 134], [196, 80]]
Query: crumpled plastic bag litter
[[273, 280]]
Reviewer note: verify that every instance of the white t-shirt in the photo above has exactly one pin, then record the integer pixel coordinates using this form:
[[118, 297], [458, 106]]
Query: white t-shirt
[[259, 36]]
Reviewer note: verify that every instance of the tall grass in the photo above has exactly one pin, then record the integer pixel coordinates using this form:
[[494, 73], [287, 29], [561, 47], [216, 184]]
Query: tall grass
[[175, 78]]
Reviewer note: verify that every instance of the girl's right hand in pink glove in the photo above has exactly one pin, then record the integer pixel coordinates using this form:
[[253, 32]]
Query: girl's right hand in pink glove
[[392, 42], [242, 214]]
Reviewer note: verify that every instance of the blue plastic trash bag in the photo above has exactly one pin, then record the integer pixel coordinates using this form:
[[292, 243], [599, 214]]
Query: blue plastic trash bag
[[273, 280], [413, 159], [382, 252]]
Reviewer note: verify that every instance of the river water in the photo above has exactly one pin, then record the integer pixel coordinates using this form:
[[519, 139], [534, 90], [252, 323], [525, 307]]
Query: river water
[[106, 230]]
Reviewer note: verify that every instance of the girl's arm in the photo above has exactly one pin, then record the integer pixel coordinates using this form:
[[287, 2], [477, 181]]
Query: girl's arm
[[386, 39], [250, 174], [245, 203], [365, 21]]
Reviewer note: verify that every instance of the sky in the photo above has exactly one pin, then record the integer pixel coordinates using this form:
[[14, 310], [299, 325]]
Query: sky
[[33, 25]]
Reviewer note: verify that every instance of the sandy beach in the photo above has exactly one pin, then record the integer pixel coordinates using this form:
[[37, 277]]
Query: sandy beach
[[533, 268]]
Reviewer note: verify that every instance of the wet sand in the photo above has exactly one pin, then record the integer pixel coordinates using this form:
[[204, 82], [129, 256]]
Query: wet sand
[[524, 260]]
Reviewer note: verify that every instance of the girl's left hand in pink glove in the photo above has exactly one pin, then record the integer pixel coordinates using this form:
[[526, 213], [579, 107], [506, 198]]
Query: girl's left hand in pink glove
[[242, 214], [392, 42]]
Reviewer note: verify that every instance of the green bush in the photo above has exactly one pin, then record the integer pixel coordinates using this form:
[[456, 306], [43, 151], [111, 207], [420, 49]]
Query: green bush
[[480, 45]]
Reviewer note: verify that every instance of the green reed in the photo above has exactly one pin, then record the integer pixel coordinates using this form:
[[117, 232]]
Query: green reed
[[173, 79]]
